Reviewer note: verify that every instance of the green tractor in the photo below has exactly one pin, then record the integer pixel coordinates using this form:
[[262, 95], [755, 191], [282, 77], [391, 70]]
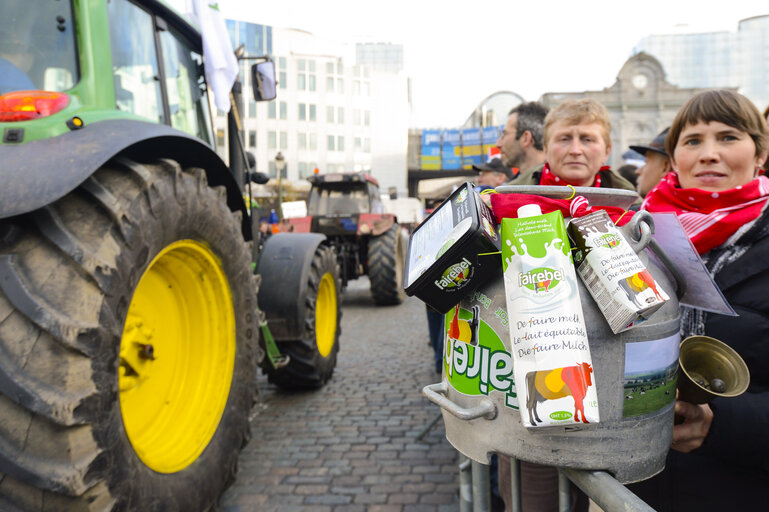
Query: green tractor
[[130, 334]]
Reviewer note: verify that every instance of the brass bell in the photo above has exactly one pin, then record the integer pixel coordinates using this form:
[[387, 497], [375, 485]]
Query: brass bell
[[708, 368]]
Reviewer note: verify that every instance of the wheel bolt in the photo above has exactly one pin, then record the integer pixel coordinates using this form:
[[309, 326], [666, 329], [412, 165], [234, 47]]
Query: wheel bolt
[[147, 352]]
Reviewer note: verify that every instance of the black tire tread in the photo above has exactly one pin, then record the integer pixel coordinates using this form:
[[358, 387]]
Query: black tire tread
[[386, 258], [67, 273]]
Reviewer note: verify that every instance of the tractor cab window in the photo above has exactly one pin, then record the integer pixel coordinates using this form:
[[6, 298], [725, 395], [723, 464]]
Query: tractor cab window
[[134, 61], [376, 202], [338, 199], [37, 46], [185, 86]]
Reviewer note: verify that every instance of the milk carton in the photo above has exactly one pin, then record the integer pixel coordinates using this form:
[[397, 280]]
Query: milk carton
[[551, 356], [622, 287]]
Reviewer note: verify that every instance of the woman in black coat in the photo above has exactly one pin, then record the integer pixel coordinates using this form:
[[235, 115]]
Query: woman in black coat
[[719, 458]]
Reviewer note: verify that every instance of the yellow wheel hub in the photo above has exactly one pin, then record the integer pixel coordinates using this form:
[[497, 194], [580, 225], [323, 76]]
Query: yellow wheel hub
[[325, 315], [177, 356]]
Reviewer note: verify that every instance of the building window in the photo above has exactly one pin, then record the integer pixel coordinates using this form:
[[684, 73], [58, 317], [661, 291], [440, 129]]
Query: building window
[[313, 114], [283, 110], [252, 138], [340, 143], [252, 108], [313, 142], [272, 110], [272, 170], [329, 114], [311, 83], [340, 115], [367, 145], [340, 86], [329, 68], [339, 68], [301, 140], [302, 167], [281, 63], [283, 140], [356, 117], [282, 80], [331, 142], [302, 112], [302, 81], [272, 140], [311, 66], [358, 143], [312, 166], [301, 64], [367, 118], [330, 84]]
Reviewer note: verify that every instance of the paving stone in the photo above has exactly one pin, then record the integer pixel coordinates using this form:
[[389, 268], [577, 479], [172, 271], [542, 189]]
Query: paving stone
[[351, 446]]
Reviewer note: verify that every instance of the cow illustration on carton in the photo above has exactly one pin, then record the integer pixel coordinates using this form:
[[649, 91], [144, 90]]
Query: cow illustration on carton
[[542, 385]]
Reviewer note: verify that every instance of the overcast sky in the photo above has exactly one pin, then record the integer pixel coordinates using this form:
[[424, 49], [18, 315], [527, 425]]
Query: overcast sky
[[459, 52]]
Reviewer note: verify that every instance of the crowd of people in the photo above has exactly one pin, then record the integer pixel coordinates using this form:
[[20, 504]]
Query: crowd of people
[[707, 167]]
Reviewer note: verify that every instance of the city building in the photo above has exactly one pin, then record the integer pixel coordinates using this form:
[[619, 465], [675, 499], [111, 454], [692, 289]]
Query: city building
[[331, 113], [641, 103], [717, 59]]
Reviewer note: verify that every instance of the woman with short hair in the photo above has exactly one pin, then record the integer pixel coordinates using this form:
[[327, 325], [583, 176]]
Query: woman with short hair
[[720, 452]]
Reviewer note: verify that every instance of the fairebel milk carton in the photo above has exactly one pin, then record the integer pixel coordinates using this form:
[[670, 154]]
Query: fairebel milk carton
[[622, 287], [551, 356]]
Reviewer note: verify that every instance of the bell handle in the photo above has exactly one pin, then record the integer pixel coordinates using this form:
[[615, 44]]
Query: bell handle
[[436, 393]]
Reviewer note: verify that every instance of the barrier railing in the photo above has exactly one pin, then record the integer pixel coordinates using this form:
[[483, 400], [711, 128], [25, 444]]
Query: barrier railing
[[599, 486]]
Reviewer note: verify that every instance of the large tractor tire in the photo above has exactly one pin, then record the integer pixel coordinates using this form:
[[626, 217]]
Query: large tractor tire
[[127, 345], [312, 358], [386, 260]]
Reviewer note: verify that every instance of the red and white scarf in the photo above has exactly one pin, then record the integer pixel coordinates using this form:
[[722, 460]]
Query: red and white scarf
[[709, 218], [549, 178]]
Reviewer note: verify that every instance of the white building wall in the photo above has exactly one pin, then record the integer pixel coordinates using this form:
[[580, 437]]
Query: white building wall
[[374, 108]]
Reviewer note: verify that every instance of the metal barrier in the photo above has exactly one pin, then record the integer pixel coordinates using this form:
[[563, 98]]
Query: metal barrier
[[600, 486]]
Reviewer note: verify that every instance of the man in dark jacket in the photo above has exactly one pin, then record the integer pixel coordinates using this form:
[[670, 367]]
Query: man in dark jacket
[[576, 145]]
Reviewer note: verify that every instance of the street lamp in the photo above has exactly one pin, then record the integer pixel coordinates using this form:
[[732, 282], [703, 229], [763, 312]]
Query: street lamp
[[280, 165]]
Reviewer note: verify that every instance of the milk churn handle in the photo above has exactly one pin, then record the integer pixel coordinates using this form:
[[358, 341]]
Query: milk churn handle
[[641, 228], [436, 393]]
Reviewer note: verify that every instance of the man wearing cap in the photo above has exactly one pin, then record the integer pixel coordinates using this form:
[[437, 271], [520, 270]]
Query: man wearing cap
[[657, 163], [492, 174], [521, 142]]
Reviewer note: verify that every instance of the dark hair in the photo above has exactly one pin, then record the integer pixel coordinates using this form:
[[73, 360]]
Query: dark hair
[[723, 106], [627, 171], [531, 118]]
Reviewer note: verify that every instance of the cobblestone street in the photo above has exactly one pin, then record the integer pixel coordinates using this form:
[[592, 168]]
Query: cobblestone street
[[352, 445]]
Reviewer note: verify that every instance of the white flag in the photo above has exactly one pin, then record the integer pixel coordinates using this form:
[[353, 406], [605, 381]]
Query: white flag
[[219, 60]]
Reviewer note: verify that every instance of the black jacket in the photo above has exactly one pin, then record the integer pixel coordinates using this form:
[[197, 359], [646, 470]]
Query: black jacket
[[730, 471]]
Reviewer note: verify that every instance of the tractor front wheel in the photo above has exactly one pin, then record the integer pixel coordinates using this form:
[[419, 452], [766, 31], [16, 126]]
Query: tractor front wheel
[[312, 358]]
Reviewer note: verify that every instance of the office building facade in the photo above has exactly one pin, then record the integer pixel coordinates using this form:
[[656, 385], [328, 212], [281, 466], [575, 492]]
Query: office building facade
[[717, 59], [328, 111]]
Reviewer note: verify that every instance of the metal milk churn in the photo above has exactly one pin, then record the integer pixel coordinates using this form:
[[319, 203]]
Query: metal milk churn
[[634, 373]]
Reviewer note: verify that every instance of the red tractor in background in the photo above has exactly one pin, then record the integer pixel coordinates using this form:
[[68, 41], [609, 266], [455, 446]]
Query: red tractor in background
[[347, 209]]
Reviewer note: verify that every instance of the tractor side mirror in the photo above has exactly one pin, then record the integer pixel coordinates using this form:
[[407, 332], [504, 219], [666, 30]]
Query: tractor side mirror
[[258, 177], [263, 81]]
